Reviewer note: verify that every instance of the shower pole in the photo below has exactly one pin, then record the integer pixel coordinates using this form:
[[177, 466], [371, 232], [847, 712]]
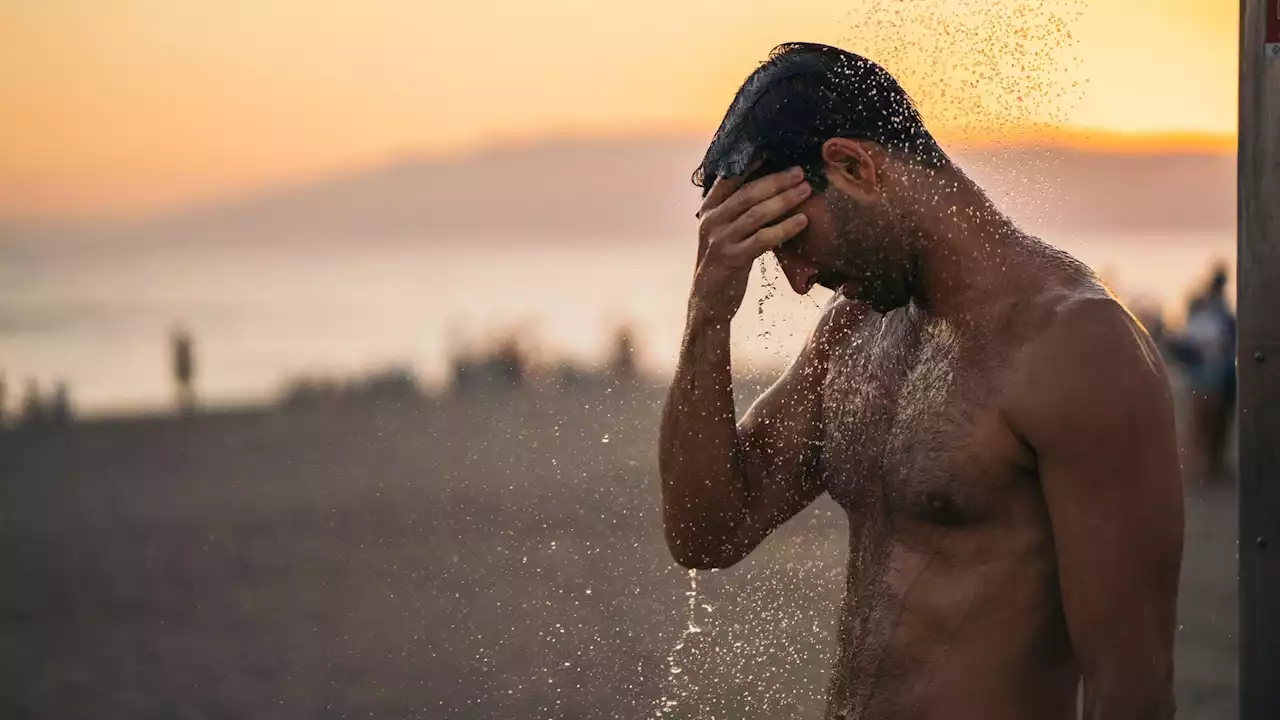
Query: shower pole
[[1258, 345]]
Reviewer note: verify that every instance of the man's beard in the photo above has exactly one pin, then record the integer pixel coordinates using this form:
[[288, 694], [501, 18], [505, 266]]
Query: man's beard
[[831, 280], [868, 271]]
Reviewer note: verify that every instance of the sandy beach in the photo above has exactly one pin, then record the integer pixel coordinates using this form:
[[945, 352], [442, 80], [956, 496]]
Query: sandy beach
[[493, 555]]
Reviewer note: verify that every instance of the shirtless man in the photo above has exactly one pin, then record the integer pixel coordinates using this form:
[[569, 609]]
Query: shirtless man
[[997, 427]]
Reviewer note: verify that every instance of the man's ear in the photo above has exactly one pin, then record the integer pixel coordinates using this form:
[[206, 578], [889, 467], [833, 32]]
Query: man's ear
[[853, 166]]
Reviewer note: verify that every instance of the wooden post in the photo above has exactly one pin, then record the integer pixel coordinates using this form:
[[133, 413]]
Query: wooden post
[[1259, 358]]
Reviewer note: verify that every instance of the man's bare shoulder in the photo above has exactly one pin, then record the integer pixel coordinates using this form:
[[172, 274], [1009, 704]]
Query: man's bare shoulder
[[1088, 355], [1068, 314]]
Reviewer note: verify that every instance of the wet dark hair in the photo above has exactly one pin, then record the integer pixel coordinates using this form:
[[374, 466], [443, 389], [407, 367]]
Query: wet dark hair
[[803, 95]]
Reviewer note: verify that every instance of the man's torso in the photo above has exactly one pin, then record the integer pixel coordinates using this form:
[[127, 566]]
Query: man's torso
[[952, 606]]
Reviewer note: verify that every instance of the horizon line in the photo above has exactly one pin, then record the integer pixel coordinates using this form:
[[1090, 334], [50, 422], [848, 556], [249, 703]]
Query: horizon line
[[1079, 139]]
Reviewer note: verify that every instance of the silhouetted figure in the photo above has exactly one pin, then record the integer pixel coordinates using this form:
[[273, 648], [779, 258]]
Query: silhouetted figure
[[3, 399], [465, 372], [60, 412], [184, 371], [509, 364], [1209, 343], [33, 410], [622, 362]]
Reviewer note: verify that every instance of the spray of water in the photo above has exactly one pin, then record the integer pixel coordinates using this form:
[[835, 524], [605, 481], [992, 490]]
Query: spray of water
[[681, 689]]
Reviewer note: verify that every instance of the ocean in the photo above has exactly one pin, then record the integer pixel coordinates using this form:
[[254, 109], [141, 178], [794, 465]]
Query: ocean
[[98, 316]]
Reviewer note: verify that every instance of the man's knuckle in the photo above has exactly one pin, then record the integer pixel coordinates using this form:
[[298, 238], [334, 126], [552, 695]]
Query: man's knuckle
[[724, 209]]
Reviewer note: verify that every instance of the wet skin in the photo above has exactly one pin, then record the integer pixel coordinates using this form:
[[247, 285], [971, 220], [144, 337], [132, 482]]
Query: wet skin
[[1009, 471], [952, 607]]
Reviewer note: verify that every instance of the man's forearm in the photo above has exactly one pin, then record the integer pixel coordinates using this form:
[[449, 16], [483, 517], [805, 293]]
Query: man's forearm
[[700, 458], [703, 486]]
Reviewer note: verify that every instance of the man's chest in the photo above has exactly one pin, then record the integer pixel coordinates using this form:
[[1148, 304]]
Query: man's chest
[[911, 420]]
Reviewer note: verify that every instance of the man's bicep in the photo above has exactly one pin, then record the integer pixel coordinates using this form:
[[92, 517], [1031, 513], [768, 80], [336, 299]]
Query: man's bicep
[[1115, 507], [781, 448], [1099, 418], [781, 435]]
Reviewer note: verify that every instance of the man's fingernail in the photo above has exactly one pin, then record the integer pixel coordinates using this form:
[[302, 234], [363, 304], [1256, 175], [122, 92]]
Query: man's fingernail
[[795, 173]]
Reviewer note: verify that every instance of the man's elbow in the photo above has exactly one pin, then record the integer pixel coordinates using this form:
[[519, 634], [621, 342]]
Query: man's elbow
[[703, 561], [696, 553]]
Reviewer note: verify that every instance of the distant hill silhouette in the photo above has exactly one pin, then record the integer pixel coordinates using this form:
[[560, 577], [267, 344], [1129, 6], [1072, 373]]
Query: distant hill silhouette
[[577, 189], [1065, 189]]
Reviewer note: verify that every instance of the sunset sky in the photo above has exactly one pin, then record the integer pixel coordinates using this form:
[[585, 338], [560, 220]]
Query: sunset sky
[[127, 106]]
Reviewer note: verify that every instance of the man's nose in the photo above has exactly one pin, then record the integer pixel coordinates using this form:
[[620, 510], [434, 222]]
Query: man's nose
[[799, 273]]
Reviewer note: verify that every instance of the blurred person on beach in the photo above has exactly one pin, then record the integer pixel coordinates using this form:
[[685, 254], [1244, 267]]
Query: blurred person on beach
[[60, 412], [33, 409], [509, 363], [1210, 337], [996, 425], [184, 370], [622, 361]]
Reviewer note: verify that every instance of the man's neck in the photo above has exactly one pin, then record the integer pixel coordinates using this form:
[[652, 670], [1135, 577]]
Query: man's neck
[[961, 243]]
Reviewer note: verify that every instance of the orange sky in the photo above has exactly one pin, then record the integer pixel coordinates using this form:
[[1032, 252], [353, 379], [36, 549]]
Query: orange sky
[[124, 106]]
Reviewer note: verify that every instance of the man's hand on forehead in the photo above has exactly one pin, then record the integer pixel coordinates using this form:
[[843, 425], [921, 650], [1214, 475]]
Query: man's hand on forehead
[[739, 222], [727, 184], [763, 167]]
